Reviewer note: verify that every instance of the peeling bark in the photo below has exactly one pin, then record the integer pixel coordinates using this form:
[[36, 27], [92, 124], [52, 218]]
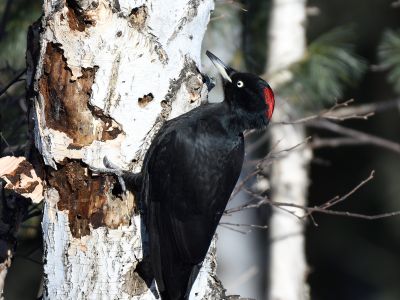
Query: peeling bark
[[20, 177], [103, 77], [66, 102]]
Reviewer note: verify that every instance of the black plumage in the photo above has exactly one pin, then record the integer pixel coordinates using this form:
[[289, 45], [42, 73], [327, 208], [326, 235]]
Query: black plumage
[[189, 173]]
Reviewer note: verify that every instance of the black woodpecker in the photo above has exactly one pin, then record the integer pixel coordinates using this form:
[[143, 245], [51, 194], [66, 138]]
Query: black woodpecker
[[189, 173]]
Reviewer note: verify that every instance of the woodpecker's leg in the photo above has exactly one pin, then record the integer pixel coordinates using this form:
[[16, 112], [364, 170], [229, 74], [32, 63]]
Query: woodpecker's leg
[[192, 279], [209, 81], [125, 178], [112, 168]]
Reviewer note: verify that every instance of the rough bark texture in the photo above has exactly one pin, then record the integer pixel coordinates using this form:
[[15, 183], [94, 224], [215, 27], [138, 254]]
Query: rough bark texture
[[289, 177], [103, 76]]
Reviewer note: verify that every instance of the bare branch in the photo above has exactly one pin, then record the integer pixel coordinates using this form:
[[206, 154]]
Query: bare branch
[[367, 108], [271, 155], [335, 142], [332, 114], [338, 199], [244, 225], [262, 200], [13, 81], [358, 135], [342, 111], [5, 142], [309, 211], [234, 229]]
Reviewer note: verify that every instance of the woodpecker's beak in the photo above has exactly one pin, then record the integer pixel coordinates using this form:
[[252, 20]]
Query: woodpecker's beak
[[221, 67]]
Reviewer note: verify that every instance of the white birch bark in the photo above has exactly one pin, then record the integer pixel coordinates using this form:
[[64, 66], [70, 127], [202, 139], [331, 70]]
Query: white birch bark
[[289, 177], [105, 76]]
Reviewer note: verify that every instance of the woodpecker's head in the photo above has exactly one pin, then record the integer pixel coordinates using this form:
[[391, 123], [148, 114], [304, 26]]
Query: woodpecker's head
[[245, 91]]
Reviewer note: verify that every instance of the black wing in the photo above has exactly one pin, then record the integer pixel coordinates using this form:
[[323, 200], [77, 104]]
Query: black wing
[[190, 177]]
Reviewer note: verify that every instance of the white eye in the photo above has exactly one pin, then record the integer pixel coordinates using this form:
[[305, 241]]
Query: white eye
[[240, 84]]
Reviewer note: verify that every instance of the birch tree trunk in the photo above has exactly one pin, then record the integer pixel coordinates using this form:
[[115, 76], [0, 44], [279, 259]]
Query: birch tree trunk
[[103, 76], [289, 177]]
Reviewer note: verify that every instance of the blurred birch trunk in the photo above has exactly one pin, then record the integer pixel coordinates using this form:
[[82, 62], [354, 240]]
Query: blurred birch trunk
[[103, 76], [289, 177]]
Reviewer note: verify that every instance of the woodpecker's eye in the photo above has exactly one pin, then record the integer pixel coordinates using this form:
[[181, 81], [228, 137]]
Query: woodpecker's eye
[[240, 84]]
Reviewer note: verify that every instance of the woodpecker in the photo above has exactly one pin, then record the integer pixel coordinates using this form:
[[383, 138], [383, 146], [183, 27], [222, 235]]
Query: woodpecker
[[189, 173]]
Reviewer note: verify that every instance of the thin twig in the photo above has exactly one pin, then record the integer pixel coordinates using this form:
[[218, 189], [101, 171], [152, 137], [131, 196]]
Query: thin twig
[[356, 134], [316, 209], [342, 111], [317, 142], [242, 183], [244, 225], [13, 81], [234, 229], [262, 200], [329, 114], [5, 141], [337, 199], [364, 109], [271, 155]]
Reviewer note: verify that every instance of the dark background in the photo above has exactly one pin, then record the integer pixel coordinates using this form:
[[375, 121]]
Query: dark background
[[349, 259], [358, 259]]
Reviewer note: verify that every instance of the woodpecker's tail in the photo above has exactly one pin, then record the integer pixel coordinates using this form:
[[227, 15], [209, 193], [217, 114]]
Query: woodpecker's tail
[[166, 296]]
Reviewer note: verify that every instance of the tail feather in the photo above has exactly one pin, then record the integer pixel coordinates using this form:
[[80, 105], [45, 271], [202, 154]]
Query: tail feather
[[178, 284], [192, 279]]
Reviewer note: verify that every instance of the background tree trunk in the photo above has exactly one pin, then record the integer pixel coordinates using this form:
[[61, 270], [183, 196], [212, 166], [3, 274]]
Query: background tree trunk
[[103, 76], [289, 177]]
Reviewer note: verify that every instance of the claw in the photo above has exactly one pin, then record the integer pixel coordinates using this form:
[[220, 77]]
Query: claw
[[209, 81], [113, 168], [108, 164]]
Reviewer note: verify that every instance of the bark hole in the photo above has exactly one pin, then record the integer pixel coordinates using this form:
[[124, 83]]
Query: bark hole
[[138, 17], [89, 199], [77, 20], [146, 99], [82, 195]]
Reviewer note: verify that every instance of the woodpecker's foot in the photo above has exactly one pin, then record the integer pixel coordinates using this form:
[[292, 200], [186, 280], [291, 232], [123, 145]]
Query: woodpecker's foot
[[209, 81], [112, 168]]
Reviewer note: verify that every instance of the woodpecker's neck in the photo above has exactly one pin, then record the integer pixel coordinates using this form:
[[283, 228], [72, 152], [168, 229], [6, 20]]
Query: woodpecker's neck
[[241, 120]]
